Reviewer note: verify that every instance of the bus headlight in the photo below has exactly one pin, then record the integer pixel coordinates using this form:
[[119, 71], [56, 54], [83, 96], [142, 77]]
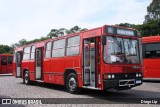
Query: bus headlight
[[109, 76], [113, 76], [137, 75]]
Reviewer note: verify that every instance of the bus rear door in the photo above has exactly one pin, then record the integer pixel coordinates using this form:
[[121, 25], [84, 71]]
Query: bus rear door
[[18, 64], [38, 60]]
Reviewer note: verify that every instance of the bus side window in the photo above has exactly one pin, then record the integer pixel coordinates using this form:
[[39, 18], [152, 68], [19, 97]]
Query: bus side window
[[10, 60], [4, 61], [73, 46], [151, 50], [48, 50], [157, 49], [26, 55], [58, 49], [32, 52]]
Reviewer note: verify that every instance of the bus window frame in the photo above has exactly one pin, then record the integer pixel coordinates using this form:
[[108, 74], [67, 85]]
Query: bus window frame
[[52, 48], [27, 53], [73, 45]]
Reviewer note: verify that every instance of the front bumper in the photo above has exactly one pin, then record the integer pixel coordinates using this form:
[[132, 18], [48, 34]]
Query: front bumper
[[122, 84]]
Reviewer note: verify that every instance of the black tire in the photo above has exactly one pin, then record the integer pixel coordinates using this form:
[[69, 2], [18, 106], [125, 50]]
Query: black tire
[[72, 83], [26, 79]]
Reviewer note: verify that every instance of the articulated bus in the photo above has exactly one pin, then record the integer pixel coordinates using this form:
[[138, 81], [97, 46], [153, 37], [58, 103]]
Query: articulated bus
[[151, 57], [6, 63], [103, 58]]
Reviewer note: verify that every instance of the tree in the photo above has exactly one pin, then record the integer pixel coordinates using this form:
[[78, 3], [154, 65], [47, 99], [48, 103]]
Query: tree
[[153, 11], [128, 25], [22, 42], [150, 28], [62, 32], [53, 33], [83, 29], [75, 29], [5, 49], [124, 24]]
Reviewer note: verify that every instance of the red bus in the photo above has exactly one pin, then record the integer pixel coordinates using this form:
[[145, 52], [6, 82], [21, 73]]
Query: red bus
[[6, 63], [103, 58], [151, 57]]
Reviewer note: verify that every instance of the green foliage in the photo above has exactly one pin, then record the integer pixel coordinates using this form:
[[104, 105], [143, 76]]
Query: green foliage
[[150, 28], [123, 24], [153, 11], [63, 31], [22, 42], [5, 49], [53, 33]]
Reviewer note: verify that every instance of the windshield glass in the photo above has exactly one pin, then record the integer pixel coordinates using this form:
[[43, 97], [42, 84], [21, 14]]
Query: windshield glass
[[121, 50]]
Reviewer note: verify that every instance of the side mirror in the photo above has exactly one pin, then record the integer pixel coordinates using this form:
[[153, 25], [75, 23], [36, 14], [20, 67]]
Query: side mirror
[[103, 40]]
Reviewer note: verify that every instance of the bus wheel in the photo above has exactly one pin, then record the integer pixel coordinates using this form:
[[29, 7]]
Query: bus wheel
[[72, 83], [26, 78]]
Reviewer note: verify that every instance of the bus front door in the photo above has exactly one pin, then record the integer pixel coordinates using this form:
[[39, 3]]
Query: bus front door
[[18, 64], [90, 62], [38, 60]]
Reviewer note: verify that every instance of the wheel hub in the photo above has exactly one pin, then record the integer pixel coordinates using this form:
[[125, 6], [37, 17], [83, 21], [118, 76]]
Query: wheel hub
[[72, 83], [26, 78]]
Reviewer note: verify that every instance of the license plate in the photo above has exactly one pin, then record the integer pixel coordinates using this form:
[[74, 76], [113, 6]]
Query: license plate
[[138, 81]]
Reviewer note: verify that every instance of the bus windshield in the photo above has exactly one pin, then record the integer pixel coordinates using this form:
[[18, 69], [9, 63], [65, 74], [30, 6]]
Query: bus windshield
[[121, 50]]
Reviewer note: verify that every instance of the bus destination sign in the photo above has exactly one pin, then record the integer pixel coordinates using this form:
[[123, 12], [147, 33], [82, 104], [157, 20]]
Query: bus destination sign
[[120, 31], [125, 32]]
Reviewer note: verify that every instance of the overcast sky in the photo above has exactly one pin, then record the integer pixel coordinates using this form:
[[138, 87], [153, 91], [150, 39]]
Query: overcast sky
[[30, 19]]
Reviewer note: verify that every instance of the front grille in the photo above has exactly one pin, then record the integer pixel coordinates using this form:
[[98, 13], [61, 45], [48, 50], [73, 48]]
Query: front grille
[[125, 75]]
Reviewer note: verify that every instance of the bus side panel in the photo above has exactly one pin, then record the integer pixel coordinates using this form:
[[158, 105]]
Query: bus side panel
[[46, 78], [32, 69], [9, 68], [151, 68], [25, 65], [46, 69], [57, 69]]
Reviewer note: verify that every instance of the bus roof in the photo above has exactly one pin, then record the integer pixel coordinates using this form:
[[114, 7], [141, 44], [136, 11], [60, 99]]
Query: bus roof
[[151, 39]]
